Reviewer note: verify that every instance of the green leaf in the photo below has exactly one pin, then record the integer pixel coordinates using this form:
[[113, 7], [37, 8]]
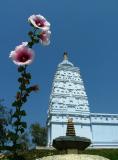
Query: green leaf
[[30, 44], [23, 113], [28, 76], [28, 90], [22, 87], [18, 146], [20, 80], [30, 33], [21, 130], [14, 103], [16, 123], [12, 136], [38, 35], [27, 82], [24, 124], [24, 99], [26, 94], [19, 103], [36, 40], [15, 114], [20, 69], [32, 38]]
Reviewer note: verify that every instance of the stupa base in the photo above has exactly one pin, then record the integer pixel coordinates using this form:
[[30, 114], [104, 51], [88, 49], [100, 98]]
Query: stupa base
[[72, 151], [74, 157], [69, 143]]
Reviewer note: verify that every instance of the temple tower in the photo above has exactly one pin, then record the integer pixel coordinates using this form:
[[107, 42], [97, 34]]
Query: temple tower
[[68, 99]]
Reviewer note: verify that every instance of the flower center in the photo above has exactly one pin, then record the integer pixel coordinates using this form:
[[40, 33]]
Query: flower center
[[39, 22], [23, 57]]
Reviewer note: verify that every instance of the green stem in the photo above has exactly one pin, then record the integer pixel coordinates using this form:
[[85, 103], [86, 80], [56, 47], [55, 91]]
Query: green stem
[[22, 94], [31, 43], [18, 108]]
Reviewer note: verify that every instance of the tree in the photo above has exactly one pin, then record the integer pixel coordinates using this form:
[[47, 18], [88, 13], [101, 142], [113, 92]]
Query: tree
[[24, 141], [4, 121], [39, 134]]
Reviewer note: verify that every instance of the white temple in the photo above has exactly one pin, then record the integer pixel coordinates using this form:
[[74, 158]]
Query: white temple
[[68, 99]]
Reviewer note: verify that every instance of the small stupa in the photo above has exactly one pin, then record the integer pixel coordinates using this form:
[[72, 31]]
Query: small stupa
[[70, 128], [71, 143]]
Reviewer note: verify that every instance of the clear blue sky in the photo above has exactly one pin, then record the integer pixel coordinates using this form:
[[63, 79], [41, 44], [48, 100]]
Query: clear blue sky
[[86, 29]]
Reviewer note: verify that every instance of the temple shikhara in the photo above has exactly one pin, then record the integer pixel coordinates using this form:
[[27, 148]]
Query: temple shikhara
[[68, 99]]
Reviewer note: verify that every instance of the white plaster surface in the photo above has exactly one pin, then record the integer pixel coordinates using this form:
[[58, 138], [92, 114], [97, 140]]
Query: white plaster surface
[[73, 157]]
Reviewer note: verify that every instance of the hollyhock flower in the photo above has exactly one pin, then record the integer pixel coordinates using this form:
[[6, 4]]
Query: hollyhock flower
[[44, 37], [22, 55], [39, 22]]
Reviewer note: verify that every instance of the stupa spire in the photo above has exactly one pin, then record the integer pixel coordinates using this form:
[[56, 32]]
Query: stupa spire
[[70, 128], [65, 56]]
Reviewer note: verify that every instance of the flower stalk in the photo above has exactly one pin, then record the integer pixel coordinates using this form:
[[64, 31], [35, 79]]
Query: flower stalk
[[23, 55]]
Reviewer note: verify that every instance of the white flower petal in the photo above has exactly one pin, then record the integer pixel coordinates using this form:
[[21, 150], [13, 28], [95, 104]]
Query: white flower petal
[[20, 52]]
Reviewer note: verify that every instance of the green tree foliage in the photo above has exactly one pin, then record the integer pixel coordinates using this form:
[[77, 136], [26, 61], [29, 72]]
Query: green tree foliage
[[24, 141], [4, 121], [39, 134]]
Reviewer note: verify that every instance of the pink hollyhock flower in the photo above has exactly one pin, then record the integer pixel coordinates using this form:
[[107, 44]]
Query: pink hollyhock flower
[[40, 22], [44, 37], [22, 55]]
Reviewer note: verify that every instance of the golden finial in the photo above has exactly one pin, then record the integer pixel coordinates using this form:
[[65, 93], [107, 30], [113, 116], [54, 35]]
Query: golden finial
[[65, 56]]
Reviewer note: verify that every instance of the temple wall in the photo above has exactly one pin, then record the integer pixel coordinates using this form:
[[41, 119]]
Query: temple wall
[[105, 132], [83, 130], [102, 129], [56, 130]]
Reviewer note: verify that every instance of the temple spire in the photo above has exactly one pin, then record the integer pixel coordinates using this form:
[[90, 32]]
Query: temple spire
[[65, 56]]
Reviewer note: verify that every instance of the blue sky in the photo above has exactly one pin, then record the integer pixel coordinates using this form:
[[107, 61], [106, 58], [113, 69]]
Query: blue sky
[[86, 29]]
